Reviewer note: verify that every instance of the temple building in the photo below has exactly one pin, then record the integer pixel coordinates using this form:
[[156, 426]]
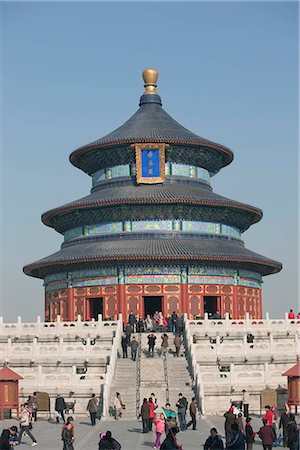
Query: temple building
[[152, 234]]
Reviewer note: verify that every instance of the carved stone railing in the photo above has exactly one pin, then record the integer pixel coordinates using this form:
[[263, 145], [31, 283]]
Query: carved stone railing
[[111, 367], [192, 365]]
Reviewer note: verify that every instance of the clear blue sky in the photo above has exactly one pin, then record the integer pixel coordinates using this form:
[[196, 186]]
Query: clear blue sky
[[72, 73]]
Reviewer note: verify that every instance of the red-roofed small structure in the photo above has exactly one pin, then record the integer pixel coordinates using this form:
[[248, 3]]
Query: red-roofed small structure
[[9, 390], [293, 375]]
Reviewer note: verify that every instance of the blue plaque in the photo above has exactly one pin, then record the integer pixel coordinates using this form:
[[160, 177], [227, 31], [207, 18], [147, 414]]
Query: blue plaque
[[150, 163]]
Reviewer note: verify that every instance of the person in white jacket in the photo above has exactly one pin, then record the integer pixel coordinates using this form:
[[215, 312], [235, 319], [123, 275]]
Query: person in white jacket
[[25, 421]]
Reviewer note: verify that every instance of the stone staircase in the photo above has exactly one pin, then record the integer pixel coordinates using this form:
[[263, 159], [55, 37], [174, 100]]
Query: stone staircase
[[179, 379], [125, 383], [157, 375], [176, 379]]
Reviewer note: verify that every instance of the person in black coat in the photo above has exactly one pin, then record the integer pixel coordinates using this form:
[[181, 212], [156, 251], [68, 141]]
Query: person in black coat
[[249, 433], [292, 432], [284, 420], [213, 441], [109, 443], [170, 443], [60, 406], [124, 345], [4, 440]]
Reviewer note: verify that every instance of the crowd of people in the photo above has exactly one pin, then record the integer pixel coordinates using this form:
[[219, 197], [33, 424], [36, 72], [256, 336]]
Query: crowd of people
[[165, 422], [275, 430]]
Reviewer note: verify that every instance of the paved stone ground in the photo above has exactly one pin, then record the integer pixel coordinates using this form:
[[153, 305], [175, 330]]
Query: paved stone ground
[[128, 433]]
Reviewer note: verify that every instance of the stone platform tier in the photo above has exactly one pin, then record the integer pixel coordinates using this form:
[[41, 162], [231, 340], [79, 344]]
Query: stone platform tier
[[227, 356], [73, 359]]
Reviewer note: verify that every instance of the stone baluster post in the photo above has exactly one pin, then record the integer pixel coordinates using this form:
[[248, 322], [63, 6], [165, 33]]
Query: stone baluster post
[[232, 375], [266, 373], [19, 325]]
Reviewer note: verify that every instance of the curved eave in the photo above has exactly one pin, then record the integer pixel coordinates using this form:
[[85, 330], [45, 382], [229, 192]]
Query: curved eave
[[76, 154], [49, 215], [145, 251], [165, 195]]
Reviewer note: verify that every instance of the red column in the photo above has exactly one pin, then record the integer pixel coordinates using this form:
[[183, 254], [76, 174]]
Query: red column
[[70, 304], [184, 299], [259, 300], [235, 302], [122, 301]]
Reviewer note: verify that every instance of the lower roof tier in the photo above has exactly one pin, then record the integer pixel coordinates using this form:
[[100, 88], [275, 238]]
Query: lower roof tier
[[220, 209], [228, 253]]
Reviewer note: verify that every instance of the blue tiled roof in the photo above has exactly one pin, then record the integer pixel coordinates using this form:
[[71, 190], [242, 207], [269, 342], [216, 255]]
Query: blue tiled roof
[[151, 123], [158, 193], [150, 249]]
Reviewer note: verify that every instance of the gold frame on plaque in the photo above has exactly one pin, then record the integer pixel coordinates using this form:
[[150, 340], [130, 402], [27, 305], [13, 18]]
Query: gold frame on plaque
[[138, 161]]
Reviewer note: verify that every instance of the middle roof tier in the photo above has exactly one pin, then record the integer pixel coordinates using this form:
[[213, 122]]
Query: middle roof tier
[[159, 201]]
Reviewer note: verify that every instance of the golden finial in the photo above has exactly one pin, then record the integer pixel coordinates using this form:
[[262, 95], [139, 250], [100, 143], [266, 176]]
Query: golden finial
[[150, 78]]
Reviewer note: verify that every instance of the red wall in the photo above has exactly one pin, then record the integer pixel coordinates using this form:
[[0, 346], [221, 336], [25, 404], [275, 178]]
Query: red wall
[[235, 300]]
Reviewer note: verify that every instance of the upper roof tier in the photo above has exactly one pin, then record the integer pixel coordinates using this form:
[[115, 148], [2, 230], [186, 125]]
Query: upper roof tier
[[151, 123]]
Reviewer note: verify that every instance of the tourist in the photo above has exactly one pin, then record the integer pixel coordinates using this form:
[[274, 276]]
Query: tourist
[[145, 414], [149, 323], [246, 401], [182, 405], [160, 321], [292, 432], [170, 443], [118, 406], [152, 413], [267, 435], [217, 315], [92, 408], [140, 326], [276, 418], [13, 436], [108, 442], [33, 406], [214, 441], [179, 325], [170, 417], [230, 419], [177, 344], [174, 318], [124, 345], [4, 440], [67, 435], [25, 424], [151, 343], [132, 321], [237, 439], [193, 414], [154, 399], [134, 346], [60, 406], [159, 423], [164, 344], [250, 435], [291, 315], [298, 315], [169, 324], [239, 421], [284, 420], [268, 415], [128, 332]]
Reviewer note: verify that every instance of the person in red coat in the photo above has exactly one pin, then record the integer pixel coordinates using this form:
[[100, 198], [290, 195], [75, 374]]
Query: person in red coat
[[291, 314], [268, 416], [267, 435], [152, 413]]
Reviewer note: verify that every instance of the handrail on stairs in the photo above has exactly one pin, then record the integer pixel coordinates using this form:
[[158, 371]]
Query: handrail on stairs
[[193, 366], [166, 378], [138, 375]]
